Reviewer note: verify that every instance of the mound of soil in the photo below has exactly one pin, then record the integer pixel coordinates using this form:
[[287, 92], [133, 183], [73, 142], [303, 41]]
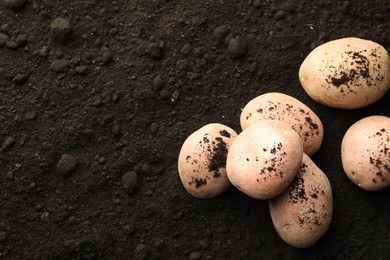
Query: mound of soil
[[97, 97]]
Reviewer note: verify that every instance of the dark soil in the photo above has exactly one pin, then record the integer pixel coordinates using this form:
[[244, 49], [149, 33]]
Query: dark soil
[[115, 87]]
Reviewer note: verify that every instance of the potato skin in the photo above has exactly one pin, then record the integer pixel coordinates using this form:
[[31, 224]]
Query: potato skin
[[264, 159], [285, 108], [346, 73], [202, 161], [365, 153], [303, 212]]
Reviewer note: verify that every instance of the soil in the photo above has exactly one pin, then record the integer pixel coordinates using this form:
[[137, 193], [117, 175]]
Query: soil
[[95, 106]]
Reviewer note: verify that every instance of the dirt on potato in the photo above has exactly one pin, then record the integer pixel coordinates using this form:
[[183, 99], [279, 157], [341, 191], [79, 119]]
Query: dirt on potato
[[97, 97]]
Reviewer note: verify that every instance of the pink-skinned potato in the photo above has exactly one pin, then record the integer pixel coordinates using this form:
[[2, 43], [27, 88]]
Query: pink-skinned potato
[[303, 213], [264, 158], [365, 153], [202, 161], [346, 73], [285, 108]]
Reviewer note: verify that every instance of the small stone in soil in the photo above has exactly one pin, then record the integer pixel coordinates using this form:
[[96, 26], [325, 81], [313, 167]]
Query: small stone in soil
[[11, 45], [155, 51], [185, 49], [30, 115], [106, 57], [14, 4], [279, 15], [195, 255], [67, 164], [72, 243], [158, 83], [115, 97], [116, 129], [257, 3], [61, 29], [95, 167], [20, 78], [175, 96], [237, 47], [45, 216], [59, 65], [21, 40], [8, 142], [154, 128], [220, 33], [81, 69], [3, 39], [146, 168], [130, 182]]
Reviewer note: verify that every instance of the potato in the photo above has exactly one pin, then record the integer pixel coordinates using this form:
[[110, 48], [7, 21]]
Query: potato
[[303, 212], [264, 158], [365, 153], [346, 73], [278, 106], [202, 161]]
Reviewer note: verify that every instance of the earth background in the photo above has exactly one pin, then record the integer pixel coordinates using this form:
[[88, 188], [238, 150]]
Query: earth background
[[120, 89]]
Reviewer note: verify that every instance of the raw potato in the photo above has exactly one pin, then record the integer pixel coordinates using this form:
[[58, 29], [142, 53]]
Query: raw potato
[[202, 161], [365, 153], [264, 159], [346, 73], [303, 212], [282, 107]]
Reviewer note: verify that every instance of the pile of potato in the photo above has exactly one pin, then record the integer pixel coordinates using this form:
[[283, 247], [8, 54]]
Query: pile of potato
[[270, 158]]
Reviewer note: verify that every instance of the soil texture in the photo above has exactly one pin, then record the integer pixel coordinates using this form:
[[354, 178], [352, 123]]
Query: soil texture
[[97, 97]]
